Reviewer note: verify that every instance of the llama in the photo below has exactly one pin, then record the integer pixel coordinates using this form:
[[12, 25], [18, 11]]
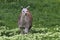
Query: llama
[[25, 20]]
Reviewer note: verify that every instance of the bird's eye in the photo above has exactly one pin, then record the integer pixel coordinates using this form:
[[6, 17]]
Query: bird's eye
[[23, 11]]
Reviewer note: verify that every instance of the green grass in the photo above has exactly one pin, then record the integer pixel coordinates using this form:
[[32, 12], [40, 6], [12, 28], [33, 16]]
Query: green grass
[[32, 37], [45, 13], [46, 19], [35, 34]]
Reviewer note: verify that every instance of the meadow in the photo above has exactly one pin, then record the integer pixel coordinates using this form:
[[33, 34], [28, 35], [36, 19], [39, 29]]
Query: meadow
[[46, 19]]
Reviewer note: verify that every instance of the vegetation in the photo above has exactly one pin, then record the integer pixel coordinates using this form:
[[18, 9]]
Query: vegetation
[[46, 19]]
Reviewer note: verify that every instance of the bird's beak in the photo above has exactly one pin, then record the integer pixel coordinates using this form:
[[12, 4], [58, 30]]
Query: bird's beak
[[25, 13]]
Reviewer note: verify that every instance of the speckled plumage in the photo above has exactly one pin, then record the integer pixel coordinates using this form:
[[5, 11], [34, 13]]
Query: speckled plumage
[[25, 21]]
